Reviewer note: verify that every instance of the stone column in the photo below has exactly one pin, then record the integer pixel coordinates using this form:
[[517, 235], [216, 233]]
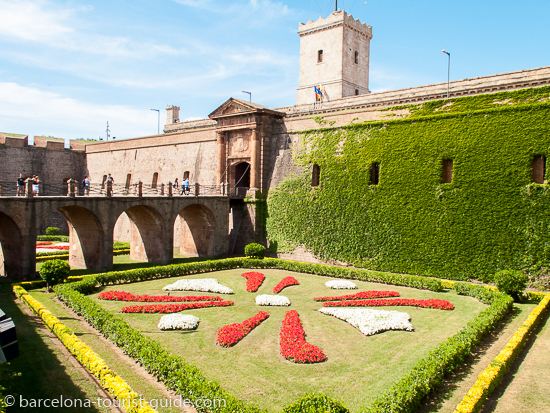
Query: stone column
[[221, 158], [255, 160]]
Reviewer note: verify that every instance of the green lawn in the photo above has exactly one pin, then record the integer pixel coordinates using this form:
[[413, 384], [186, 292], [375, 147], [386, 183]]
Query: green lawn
[[358, 369]]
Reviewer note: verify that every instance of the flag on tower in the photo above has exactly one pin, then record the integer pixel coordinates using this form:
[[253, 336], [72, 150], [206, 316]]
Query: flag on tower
[[318, 93]]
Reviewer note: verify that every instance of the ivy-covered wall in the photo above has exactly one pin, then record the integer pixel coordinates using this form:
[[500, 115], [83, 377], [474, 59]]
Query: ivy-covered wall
[[490, 217]]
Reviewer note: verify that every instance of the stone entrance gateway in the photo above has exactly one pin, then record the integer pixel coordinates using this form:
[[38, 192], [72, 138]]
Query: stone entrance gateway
[[243, 131]]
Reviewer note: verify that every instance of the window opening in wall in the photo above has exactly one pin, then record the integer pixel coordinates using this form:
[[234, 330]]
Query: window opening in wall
[[538, 169], [447, 171], [320, 56], [155, 180], [103, 181], [375, 173], [128, 181], [186, 175], [356, 58], [356, 92], [315, 175]]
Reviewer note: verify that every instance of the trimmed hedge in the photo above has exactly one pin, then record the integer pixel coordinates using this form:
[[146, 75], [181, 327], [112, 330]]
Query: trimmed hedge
[[61, 238], [404, 396], [315, 403], [489, 218]]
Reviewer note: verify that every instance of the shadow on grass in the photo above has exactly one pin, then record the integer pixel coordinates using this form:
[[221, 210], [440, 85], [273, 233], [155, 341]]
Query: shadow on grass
[[435, 401], [492, 400], [38, 372]]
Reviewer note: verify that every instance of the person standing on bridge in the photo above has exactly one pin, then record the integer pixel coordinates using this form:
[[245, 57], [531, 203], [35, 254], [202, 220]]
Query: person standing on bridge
[[20, 185], [185, 186]]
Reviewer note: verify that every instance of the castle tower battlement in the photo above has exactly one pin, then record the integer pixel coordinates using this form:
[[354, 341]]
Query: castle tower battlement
[[334, 54]]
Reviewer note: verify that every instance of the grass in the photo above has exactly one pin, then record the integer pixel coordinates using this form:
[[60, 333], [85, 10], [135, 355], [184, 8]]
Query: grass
[[41, 371], [358, 369]]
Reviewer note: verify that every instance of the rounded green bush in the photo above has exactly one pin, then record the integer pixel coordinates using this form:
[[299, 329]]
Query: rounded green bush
[[315, 403], [254, 251], [511, 282], [52, 231], [54, 271]]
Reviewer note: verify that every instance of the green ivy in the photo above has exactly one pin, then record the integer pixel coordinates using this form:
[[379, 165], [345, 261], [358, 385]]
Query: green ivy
[[491, 217]]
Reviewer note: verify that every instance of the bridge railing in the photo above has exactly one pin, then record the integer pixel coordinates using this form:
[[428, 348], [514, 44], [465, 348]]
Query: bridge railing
[[73, 188]]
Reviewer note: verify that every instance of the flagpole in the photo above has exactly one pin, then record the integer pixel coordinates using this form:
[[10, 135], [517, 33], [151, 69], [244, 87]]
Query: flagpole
[[335, 5]]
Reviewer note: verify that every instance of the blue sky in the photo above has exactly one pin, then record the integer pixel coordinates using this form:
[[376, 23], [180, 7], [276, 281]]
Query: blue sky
[[68, 67]]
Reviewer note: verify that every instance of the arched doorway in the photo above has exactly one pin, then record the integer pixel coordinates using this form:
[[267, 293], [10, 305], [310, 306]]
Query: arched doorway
[[240, 178], [86, 239], [196, 226], [11, 248]]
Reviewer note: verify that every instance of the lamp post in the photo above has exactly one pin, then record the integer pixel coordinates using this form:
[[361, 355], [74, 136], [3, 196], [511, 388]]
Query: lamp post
[[448, 70], [250, 94], [158, 124]]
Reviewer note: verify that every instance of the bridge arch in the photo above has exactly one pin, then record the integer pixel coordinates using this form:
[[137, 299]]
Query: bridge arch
[[148, 235], [197, 234], [11, 248], [86, 239]]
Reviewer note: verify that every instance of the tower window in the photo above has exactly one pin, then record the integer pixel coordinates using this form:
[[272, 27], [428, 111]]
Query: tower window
[[155, 180], [320, 56], [128, 181], [356, 58], [186, 175], [356, 92], [375, 173], [315, 175], [447, 172], [538, 169]]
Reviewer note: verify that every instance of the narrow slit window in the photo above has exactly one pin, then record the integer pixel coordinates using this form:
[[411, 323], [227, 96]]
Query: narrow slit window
[[538, 169], [155, 180], [320, 56], [315, 175], [447, 172], [128, 181], [356, 92], [186, 175], [356, 58], [375, 173]]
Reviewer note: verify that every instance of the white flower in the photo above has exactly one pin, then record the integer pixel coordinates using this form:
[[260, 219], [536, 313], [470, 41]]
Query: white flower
[[267, 299], [178, 322], [369, 321], [341, 285], [204, 284]]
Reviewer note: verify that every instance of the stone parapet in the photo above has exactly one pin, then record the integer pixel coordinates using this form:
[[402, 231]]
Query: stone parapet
[[474, 86], [17, 141], [49, 143], [334, 19], [194, 124]]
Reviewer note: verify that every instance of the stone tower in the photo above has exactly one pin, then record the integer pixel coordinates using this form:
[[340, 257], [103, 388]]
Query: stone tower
[[334, 53]]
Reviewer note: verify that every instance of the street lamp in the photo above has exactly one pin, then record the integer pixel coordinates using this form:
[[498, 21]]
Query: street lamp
[[248, 93], [158, 124], [448, 70]]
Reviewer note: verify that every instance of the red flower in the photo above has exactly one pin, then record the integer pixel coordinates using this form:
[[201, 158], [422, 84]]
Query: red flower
[[231, 334], [123, 296], [54, 247], [253, 280], [173, 308], [44, 243], [285, 282], [361, 295], [431, 303], [294, 346]]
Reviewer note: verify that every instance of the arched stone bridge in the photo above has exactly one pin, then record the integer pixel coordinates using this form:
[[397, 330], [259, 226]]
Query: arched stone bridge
[[91, 220]]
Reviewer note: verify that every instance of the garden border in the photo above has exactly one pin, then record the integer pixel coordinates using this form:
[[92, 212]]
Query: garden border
[[404, 396], [109, 380]]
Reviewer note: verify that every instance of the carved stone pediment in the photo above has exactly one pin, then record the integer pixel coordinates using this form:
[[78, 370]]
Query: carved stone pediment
[[237, 107], [239, 142]]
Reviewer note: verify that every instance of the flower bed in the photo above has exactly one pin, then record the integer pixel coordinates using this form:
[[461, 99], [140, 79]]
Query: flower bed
[[341, 285], [231, 334], [203, 284], [371, 322], [489, 379], [362, 295], [431, 303], [292, 340], [275, 300], [44, 243], [178, 322], [173, 308], [124, 296], [253, 280], [90, 360], [285, 282]]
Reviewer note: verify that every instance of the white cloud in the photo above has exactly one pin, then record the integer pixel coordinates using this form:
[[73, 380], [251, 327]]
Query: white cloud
[[50, 113]]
